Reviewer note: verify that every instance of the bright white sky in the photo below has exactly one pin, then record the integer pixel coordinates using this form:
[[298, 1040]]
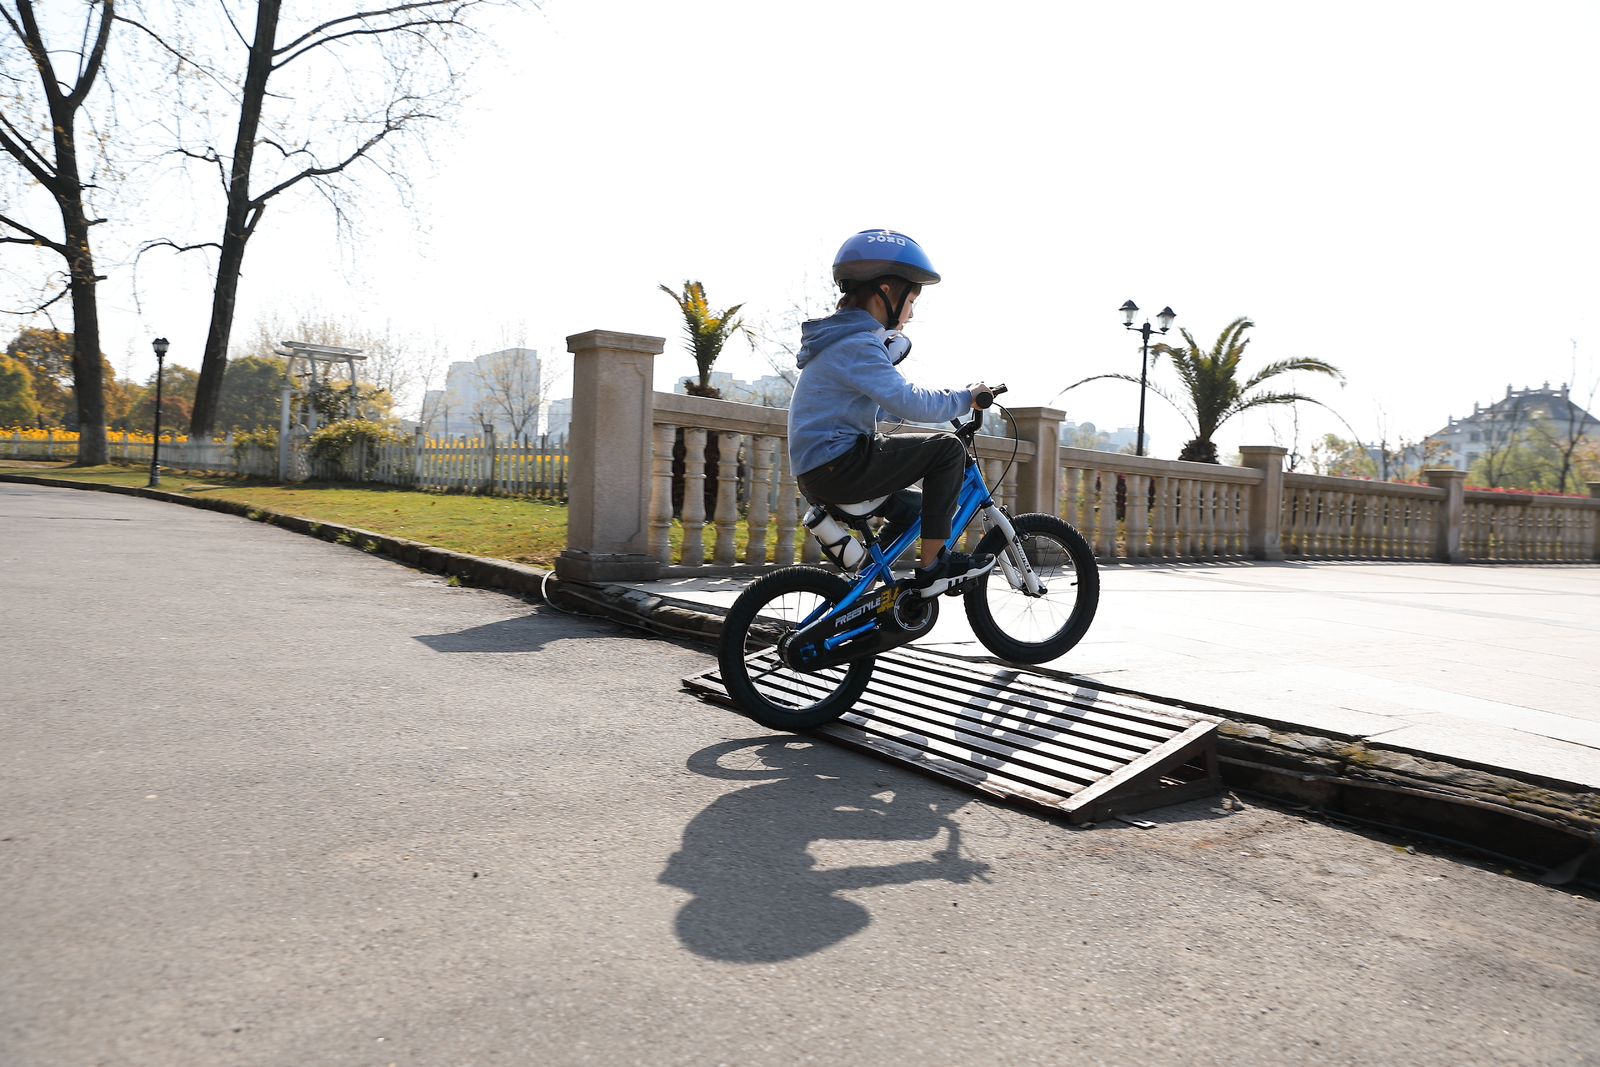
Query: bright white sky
[[1405, 189]]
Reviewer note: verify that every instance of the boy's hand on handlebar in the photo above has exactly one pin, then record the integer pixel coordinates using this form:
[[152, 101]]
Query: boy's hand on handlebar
[[983, 395]]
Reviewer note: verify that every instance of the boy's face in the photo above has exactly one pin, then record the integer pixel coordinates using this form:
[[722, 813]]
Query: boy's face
[[905, 312]]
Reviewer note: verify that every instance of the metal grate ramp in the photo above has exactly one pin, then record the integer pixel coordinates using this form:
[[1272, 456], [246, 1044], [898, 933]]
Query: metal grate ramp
[[1006, 731]]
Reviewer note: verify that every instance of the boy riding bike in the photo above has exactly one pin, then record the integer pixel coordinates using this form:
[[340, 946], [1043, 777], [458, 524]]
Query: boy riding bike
[[848, 381]]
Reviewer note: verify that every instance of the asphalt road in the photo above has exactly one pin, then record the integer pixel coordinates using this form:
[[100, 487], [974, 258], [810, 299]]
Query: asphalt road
[[271, 801]]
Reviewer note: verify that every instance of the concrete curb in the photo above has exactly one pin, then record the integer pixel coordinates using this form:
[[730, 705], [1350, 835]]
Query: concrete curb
[[1544, 823]]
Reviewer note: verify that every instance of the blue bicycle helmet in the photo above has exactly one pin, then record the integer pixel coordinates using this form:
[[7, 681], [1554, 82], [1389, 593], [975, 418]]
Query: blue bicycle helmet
[[879, 253]]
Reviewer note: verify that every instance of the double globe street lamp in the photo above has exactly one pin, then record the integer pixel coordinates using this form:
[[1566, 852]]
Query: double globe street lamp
[[1165, 319], [160, 344]]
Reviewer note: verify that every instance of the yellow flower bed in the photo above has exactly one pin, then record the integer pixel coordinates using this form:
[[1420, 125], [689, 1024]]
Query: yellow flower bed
[[29, 433]]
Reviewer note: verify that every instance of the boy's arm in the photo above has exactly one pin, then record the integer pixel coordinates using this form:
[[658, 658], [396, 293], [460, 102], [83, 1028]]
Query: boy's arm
[[894, 395]]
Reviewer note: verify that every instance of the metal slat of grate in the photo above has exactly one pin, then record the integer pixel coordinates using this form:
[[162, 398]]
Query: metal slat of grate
[[1017, 734]]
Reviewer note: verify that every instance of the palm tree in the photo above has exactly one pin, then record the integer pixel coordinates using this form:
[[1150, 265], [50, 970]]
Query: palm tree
[[1212, 393], [708, 331]]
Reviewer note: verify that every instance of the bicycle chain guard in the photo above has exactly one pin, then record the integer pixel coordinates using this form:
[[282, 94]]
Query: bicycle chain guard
[[881, 620]]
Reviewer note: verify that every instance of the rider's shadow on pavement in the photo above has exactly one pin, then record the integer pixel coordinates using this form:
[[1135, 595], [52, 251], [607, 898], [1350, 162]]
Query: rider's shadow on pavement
[[525, 633], [758, 895]]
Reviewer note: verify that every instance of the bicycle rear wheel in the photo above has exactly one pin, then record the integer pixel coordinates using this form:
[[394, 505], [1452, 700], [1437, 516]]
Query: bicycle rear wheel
[[769, 692], [1034, 629]]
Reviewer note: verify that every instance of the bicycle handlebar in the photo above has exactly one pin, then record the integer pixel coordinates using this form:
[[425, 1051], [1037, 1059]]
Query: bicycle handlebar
[[984, 397]]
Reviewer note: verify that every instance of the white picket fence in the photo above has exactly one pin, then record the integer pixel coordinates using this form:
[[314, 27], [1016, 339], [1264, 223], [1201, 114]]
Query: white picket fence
[[532, 467]]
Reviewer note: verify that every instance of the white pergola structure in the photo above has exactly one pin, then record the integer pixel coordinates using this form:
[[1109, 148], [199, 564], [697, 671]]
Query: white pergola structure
[[298, 353]]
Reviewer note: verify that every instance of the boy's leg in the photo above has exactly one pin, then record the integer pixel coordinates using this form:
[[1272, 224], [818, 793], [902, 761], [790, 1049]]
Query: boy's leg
[[890, 464]]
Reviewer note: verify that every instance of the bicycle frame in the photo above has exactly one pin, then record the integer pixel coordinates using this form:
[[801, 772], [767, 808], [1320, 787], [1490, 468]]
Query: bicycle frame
[[973, 500]]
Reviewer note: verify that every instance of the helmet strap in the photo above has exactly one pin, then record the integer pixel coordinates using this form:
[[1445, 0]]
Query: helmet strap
[[896, 308]]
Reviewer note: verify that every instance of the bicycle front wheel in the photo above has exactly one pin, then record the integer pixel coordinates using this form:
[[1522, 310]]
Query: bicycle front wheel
[[769, 692], [1033, 629]]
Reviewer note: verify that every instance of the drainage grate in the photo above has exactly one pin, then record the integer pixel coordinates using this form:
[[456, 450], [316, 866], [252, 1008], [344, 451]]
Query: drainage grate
[[1027, 737]]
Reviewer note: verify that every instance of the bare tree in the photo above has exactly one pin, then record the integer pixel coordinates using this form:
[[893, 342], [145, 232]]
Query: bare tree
[[39, 131], [366, 78], [1505, 433], [1568, 426], [777, 337], [509, 390]]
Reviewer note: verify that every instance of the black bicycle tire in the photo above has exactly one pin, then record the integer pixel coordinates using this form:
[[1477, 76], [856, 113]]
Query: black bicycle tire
[[1085, 603], [731, 653]]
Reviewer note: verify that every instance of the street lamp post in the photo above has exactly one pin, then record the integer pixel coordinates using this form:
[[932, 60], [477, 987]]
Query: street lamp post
[[1165, 318], [160, 344]]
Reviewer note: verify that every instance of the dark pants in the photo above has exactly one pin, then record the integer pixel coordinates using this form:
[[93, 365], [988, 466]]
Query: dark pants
[[881, 466]]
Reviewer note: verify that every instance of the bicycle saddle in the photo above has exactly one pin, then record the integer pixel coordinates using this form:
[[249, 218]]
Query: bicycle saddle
[[861, 510]]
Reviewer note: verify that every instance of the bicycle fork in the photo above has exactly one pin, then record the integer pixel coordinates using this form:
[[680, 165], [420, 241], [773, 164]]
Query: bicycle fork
[[1011, 559]]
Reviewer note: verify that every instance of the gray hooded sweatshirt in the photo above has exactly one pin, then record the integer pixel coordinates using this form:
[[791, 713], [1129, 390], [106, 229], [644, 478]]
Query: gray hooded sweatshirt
[[847, 384]]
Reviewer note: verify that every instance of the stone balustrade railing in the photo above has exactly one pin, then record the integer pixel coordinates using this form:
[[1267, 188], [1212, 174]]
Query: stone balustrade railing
[[1506, 527], [1348, 518], [631, 446], [741, 450], [1137, 508]]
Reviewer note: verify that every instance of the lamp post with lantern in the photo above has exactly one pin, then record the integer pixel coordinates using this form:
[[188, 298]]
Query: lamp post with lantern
[[160, 344], [1165, 318]]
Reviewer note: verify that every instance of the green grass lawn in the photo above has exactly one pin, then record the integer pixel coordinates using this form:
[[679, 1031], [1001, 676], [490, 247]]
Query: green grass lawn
[[514, 528]]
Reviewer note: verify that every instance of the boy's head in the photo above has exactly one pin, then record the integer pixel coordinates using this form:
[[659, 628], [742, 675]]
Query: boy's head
[[882, 272]]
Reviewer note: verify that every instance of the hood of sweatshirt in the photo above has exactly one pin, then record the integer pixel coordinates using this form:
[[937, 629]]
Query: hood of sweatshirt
[[818, 334]]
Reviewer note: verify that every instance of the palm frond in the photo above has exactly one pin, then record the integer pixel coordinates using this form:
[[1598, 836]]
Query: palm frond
[[1262, 399], [1283, 366], [1210, 384]]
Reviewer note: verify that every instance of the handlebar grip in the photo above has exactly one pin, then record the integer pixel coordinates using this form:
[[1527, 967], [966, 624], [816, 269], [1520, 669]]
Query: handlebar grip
[[984, 397]]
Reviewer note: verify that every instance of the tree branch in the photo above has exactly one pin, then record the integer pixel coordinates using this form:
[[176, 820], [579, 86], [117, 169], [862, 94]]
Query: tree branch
[[179, 56], [34, 236], [361, 33], [41, 307], [87, 75], [164, 243], [21, 149], [33, 41], [390, 126], [423, 5]]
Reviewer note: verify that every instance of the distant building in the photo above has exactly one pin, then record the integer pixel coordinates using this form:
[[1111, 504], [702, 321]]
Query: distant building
[[1464, 441], [498, 388], [558, 417], [1086, 435], [768, 391]]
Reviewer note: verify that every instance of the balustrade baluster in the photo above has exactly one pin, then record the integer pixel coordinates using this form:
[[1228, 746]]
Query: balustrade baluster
[[760, 452], [1238, 508], [1136, 515], [694, 497], [788, 522], [664, 437], [1084, 482], [1068, 507], [1167, 498], [1107, 506], [727, 517]]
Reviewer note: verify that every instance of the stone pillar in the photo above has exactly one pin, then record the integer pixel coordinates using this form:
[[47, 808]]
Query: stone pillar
[[1038, 482], [1594, 491], [1266, 501], [1447, 535], [608, 448]]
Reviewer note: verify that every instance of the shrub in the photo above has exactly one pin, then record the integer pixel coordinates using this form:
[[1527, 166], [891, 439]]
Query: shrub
[[253, 439], [333, 442]]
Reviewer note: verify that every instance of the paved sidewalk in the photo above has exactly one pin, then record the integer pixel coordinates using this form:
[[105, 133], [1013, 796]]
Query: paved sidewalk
[[1492, 665], [267, 800]]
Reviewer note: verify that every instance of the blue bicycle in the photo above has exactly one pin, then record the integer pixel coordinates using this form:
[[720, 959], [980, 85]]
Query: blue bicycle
[[798, 646]]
